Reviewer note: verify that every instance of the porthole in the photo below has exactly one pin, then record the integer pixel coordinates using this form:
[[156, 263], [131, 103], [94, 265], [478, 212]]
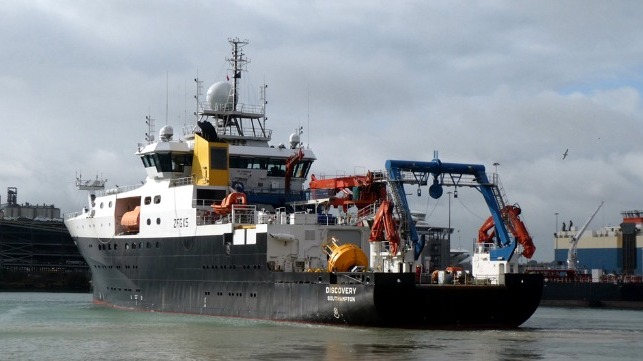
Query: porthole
[[158, 221], [110, 204], [148, 245], [149, 221], [101, 205]]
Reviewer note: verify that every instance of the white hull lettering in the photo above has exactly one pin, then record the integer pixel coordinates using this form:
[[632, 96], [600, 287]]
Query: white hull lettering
[[339, 290], [340, 298]]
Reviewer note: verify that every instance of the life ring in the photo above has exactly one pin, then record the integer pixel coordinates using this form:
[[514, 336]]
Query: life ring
[[237, 186]]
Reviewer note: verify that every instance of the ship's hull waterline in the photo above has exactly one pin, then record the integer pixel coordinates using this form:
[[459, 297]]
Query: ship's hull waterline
[[172, 275]]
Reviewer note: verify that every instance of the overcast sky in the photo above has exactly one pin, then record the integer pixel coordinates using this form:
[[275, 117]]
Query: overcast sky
[[514, 83]]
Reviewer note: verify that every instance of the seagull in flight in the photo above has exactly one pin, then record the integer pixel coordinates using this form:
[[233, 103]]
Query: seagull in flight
[[565, 154]]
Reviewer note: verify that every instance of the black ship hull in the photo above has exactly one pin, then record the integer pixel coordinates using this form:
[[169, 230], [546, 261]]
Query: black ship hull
[[40, 255], [208, 276], [594, 294]]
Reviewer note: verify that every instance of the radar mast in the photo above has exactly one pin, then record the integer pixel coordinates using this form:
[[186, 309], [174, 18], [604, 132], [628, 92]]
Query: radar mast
[[238, 62]]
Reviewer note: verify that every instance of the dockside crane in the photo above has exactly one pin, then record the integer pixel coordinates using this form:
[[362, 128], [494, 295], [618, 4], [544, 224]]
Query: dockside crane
[[573, 243]]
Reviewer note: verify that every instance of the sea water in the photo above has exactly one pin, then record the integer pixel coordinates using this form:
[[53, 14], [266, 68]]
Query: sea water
[[59, 326]]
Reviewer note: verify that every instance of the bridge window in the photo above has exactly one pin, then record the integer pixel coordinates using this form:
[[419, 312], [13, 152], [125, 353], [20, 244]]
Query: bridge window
[[163, 162], [148, 160], [240, 162], [248, 163], [167, 162], [301, 169], [259, 163], [277, 168], [180, 161]]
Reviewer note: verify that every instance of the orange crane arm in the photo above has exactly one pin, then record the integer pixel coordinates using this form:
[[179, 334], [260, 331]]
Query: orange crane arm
[[520, 231], [339, 182], [483, 234], [383, 223], [516, 227], [358, 190]]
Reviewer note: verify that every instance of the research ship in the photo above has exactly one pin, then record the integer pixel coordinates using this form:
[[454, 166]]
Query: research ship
[[223, 226]]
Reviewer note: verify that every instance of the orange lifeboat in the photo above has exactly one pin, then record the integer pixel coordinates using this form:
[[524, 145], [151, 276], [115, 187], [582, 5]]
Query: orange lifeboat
[[226, 205], [131, 220]]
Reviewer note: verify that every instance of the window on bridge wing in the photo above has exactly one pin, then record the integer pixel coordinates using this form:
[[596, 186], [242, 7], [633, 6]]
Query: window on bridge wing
[[148, 160], [301, 169]]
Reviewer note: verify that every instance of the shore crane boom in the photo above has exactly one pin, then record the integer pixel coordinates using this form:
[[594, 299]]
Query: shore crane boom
[[573, 243]]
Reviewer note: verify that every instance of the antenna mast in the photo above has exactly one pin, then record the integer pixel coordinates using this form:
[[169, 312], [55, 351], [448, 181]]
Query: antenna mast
[[238, 62], [197, 97], [167, 92], [149, 136]]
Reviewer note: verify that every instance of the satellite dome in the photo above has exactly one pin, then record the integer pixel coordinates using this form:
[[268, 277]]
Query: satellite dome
[[218, 95], [294, 140], [166, 133]]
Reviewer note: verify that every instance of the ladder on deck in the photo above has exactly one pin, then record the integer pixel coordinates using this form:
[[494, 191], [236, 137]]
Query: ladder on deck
[[398, 203], [498, 191], [501, 199]]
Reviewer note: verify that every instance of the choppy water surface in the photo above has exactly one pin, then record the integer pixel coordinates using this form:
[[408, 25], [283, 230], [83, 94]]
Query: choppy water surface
[[50, 326]]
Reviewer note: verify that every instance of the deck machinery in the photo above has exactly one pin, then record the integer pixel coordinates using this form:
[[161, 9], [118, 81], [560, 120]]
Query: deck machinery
[[393, 227]]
